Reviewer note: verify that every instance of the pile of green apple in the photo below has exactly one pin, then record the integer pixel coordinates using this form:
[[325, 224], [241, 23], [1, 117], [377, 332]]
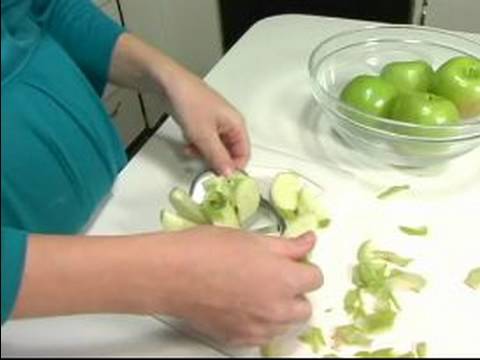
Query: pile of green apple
[[228, 202], [233, 201], [413, 92]]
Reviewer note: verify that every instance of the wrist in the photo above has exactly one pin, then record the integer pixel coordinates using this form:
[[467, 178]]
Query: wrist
[[135, 64], [165, 76], [152, 275]]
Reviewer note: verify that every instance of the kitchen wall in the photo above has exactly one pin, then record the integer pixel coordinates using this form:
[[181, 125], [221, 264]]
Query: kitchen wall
[[460, 15], [188, 30]]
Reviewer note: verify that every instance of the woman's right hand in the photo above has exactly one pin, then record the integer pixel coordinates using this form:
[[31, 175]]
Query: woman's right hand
[[237, 287]]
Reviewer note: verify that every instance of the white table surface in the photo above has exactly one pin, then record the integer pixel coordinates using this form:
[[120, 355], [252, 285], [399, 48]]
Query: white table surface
[[265, 76]]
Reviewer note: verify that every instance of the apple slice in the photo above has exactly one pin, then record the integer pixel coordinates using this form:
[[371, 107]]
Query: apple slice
[[174, 222], [219, 210], [285, 192], [186, 207], [246, 197], [309, 203], [301, 224], [218, 183]]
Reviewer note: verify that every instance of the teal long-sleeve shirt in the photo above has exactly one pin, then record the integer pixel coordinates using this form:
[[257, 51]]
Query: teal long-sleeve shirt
[[60, 152]]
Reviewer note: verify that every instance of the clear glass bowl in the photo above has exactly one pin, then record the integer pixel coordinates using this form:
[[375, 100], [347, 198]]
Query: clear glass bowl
[[337, 60]]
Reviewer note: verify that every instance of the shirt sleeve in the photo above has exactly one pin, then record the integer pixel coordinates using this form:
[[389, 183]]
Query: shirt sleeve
[[14, 247], [84, 31]]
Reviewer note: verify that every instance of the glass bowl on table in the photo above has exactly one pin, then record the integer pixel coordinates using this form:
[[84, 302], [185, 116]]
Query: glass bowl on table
[[340, 58]]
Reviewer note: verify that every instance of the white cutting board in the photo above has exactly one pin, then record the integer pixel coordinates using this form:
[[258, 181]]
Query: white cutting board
[[446, 313]]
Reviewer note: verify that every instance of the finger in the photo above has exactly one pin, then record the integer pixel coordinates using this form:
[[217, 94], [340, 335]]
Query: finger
[[252, 342], [235, 137], [294, 249], [217, 156], [308, 278], [238, 145], [192, 150], [278, 330], [264, 334], [299, 311], [270, 335]]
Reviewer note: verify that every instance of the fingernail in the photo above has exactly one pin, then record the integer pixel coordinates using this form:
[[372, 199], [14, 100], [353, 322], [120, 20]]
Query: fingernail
[[227, 171], [307, 238]]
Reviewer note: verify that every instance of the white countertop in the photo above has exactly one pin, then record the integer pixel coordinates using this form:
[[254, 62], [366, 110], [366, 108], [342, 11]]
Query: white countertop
[[98, 336], [265, 76]]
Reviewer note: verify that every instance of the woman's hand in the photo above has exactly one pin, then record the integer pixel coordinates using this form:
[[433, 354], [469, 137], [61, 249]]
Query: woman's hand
[[237, 287], [213, 128]]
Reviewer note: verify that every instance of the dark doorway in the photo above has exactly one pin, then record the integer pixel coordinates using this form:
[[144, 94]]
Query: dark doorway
[[239, 15]]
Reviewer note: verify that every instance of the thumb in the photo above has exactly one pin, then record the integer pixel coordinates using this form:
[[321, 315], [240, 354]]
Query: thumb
[[192, 151], [295, 248], [216, 154]]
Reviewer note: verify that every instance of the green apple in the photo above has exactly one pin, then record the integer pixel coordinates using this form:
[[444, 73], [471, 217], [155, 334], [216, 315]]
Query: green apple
[[428, 110], [459, 81], [409, 75], [371, 95]]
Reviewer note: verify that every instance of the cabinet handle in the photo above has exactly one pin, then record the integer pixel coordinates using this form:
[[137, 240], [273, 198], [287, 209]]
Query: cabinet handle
[[116, 109], [424, 13]]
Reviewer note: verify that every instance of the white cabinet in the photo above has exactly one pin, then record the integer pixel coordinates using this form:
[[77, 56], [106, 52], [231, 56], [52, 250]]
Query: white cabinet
[[187, 30], [124, 106], [155, 107], [459, 15]]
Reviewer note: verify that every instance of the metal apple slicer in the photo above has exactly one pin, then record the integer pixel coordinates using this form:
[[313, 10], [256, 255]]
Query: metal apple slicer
[[266, 220]]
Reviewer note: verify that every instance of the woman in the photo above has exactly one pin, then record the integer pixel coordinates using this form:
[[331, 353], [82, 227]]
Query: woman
[[60, 157]]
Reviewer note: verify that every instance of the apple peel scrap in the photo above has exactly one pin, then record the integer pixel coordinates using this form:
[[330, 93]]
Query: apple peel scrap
[[473, 279], [372, 304], [420, 351], [414, 231], [314, 338], [393, 190]]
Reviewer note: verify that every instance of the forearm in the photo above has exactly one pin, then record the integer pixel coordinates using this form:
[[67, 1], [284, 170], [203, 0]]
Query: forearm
[[137, 65], [79, 275], [212, 127]]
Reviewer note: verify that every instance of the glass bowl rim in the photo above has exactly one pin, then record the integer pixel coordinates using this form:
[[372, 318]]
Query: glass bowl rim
[[312, 65]]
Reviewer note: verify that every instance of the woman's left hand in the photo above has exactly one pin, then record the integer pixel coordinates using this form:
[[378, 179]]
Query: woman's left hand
[[214, 129], [212, 126]]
